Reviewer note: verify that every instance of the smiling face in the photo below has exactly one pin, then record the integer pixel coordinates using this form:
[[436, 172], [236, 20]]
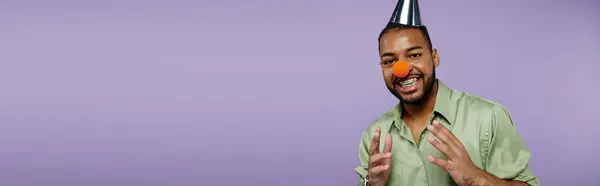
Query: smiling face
[[412, 46]]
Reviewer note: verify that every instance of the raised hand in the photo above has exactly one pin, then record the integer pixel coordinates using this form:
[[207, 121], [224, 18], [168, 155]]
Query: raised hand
[[380, 163], [459, 164]]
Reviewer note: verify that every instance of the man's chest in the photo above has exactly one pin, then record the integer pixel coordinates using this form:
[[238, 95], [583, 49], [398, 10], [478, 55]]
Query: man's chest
[[410, 165]]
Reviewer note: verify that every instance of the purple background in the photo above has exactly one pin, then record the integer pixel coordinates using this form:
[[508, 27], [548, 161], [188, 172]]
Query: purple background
[[271, 92]]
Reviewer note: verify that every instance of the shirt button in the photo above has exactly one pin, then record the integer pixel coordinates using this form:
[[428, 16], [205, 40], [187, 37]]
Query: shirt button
[[420, 163]]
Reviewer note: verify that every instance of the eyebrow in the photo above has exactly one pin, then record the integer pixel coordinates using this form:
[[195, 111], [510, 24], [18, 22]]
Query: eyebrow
[[390, 54], [414, 48]]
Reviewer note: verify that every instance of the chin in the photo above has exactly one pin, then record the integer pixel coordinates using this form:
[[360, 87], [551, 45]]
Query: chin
[[414, 98]]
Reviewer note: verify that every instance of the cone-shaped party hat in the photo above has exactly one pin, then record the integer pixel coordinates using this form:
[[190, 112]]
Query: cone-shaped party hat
[[407, 13]]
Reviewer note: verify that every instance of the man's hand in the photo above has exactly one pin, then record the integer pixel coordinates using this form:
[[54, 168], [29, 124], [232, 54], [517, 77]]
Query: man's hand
[[459, 164], [380, 163]]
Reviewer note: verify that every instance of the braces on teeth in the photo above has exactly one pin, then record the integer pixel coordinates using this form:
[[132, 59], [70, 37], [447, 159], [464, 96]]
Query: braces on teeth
[[409, 82]]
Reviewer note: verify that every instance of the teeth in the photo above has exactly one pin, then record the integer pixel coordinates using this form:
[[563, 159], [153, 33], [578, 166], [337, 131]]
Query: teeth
[[409, 82]]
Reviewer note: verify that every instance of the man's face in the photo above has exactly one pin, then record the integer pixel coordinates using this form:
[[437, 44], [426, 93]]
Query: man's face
[[411, 46]]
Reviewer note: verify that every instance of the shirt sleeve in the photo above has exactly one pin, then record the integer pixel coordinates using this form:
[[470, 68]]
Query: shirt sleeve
[[363, 155], [507, 156]]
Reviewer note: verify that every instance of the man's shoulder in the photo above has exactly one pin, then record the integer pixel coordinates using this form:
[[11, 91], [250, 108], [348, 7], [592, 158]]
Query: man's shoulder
[[476, 103], [487, 110], [384, 121]]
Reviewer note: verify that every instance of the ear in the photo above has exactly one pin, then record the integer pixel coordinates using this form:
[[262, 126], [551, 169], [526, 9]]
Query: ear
[[436, 58]]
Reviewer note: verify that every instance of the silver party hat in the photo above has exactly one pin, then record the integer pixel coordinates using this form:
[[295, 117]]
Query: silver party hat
[[407, 13]]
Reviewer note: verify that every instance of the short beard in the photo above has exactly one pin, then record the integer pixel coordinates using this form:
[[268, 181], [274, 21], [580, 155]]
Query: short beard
[[427, 89]]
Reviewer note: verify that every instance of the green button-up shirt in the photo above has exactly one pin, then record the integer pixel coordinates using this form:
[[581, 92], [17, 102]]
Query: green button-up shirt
[[484, 127]]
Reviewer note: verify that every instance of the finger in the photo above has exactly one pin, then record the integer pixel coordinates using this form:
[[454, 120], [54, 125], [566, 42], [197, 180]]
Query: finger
[[388, 143], [443, 148], [387, 148], [377, 158], [379, 169], [445, 130], [439, 162], [437, 131], [375, 142]]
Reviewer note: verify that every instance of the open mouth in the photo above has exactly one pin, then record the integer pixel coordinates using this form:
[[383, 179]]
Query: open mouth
[[408, 85], [408, 82]]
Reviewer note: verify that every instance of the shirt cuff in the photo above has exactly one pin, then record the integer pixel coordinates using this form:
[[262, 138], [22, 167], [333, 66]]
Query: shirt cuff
[[531, 180]]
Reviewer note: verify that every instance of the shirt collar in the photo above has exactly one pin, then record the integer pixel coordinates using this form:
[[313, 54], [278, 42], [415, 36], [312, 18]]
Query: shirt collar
[[443, 104]]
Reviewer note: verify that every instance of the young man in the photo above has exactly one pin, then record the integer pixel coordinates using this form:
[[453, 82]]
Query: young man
[[436, 136]]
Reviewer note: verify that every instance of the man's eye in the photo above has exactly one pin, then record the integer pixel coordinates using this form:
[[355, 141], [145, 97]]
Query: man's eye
[[414, 55], [387, 62]]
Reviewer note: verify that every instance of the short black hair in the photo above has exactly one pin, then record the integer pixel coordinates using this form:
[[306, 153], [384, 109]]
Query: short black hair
[[396, 27]]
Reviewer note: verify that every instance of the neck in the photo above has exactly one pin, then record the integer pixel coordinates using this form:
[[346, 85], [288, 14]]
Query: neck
[[425, 108]]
